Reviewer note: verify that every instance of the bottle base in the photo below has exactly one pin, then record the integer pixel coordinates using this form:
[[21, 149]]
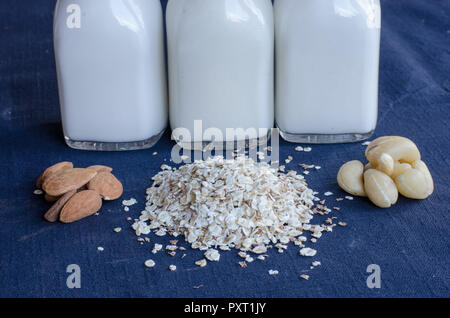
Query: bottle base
[[324, 138], [114, 146]]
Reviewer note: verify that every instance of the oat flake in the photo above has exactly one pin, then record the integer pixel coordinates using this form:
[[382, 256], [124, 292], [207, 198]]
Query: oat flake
[[201, 263], [212, 255], [130, 202], [306, 251], [149, 263], [304, 276], [273, 272], [224, 204]]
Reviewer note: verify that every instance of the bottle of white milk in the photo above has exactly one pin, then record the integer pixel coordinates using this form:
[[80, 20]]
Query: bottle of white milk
[[221, 69], [111, 73], [327, 58]]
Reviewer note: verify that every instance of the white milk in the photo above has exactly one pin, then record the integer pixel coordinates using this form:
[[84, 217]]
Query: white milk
[[327, 69], [221, 61], [111, 73]]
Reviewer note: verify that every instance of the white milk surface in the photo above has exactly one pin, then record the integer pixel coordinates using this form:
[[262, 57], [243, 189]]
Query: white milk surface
[[111, 70], [221, 64], [327, 66]]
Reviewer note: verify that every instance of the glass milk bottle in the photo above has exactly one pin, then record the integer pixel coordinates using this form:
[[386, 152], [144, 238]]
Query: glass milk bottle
[[221, 69], [111, 73], [327, 69]]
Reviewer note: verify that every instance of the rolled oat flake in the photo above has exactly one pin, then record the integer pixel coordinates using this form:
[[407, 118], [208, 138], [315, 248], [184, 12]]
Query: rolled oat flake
[[218, 204]]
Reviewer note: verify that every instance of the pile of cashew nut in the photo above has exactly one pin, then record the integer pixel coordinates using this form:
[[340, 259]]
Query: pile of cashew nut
[[394, 166]]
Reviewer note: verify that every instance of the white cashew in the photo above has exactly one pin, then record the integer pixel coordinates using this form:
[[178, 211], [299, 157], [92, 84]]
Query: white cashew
[[415, 183], [380, 188], [350, 178], [401, 149]]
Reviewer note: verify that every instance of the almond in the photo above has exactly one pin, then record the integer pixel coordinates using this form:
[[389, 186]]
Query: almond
[[51, 170], [107, 185], [50, 198], [53, 213], [80, 205], [101, 168], [67, 180]]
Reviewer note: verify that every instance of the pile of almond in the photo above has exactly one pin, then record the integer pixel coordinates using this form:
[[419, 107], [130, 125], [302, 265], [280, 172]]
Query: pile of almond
[[77, 192]]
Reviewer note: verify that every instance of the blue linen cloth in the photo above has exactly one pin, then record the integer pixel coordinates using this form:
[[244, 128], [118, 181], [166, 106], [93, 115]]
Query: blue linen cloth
[[410, 241]]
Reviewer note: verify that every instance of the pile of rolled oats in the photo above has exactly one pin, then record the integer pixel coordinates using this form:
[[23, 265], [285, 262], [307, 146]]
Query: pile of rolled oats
[[238, 203]]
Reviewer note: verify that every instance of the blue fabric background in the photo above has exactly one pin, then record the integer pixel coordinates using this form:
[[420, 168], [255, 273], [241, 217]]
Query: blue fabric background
[[409, 241]]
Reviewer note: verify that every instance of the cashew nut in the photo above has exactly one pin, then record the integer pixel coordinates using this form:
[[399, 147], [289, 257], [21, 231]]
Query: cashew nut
[[350, 178], [420, 165], [415, 183], [400, 168], [394, 167], [400, 149], [380, 188], [386, 164]]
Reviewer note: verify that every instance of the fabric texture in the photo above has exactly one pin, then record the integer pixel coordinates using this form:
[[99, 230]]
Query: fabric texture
[[410, 241]]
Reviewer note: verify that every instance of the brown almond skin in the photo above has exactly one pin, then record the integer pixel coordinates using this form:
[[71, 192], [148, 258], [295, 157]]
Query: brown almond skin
[[53, 213], [101, 168], [107, 185], [80, 205], [67, 180], [52, 170], [50, 198]]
